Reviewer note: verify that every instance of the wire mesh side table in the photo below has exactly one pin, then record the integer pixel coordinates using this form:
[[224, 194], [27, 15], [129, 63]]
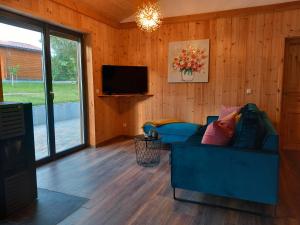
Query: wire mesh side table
[[147, 151]]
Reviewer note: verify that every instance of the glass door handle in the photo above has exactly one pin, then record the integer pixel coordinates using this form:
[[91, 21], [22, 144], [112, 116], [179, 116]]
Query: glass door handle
[[52, 95]]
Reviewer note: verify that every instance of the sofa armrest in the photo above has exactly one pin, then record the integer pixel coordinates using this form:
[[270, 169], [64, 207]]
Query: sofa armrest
[[271, 143], [239, 173]]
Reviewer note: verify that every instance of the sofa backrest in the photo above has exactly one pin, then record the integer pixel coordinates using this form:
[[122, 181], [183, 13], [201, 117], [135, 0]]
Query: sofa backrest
[[270, 141], [211, 119]]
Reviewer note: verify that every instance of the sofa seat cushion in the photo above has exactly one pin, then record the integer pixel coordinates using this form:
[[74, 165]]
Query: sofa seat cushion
[[177, 129], [250, 130]]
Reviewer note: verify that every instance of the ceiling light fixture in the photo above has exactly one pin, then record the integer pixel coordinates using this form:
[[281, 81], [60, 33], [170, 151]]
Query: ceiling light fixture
[[148, 16]]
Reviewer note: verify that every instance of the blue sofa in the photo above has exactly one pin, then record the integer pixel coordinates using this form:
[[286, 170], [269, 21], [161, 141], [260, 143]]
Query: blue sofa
[[229, 171]]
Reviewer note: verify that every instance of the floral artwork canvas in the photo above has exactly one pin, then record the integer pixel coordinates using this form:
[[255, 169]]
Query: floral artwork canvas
[[188, 61]]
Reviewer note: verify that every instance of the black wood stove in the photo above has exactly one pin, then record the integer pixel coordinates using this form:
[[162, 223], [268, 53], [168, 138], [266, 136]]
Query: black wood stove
[[17, 157]]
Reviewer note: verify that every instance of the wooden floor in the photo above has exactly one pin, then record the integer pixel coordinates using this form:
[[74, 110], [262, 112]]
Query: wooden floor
[[121, 192]]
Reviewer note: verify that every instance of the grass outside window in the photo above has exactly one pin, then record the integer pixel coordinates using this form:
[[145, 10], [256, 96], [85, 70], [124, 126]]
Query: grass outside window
[[34, 92]]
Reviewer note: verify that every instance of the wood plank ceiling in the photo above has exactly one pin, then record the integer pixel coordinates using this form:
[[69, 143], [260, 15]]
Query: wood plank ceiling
[[115, 11]]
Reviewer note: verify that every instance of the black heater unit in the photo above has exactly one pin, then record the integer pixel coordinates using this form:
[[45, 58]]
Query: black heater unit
[[17, 158]]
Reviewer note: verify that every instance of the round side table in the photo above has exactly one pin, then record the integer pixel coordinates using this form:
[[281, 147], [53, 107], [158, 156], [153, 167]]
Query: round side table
[[147, 151]]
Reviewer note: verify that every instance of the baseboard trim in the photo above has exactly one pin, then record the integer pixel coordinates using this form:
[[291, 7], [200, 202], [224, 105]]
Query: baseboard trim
[[112, 140]]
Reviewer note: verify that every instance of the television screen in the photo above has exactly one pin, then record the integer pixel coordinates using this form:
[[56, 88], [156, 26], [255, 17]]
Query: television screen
[[124, 79]]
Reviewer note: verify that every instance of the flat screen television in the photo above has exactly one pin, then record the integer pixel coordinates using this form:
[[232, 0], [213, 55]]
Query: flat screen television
[[123, 80]]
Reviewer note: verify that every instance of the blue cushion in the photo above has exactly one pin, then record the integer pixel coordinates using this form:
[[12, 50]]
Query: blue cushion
[[250, 130], [181, 129]]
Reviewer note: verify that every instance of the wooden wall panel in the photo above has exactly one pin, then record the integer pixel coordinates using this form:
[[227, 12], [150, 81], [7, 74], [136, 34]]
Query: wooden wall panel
[[104, 119], [246, 52]]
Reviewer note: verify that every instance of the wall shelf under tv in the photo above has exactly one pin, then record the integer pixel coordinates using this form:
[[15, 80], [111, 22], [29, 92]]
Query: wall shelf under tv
[[126, 95]]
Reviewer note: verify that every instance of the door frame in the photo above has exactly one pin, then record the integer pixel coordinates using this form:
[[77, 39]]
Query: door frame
[[1, 74], [287, 41], [14, 19]]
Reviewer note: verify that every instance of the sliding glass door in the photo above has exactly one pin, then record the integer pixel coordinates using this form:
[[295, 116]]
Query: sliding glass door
[[42, 64], [67, 90]]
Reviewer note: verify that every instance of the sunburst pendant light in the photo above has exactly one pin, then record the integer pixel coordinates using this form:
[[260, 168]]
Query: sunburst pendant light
[[148, 16]]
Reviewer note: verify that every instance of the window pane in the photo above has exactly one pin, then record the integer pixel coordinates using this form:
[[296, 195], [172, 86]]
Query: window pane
[[21, 63], [66, 81]]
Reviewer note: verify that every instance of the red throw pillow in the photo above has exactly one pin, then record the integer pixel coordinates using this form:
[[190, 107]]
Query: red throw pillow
[[221, 131], [225, 111]]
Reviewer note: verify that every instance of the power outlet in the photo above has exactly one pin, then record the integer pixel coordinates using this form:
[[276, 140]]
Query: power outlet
[[248, 91]]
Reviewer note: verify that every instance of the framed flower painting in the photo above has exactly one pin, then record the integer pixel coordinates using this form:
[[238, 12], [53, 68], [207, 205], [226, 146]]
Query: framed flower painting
[[188, 61]]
